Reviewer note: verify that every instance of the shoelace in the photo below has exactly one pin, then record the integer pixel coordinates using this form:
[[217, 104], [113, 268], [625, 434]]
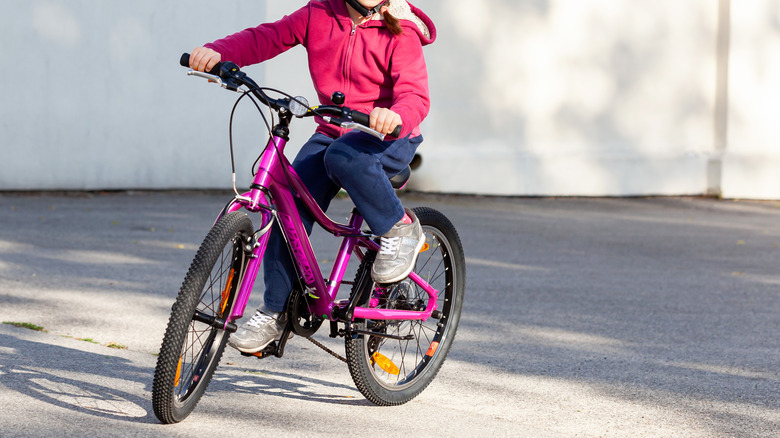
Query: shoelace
[[260, 319], [389, 245]]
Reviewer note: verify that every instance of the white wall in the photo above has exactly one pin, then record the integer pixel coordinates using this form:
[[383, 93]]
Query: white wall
[[93, 97], [573, 98], [751, 163], [557, 97]]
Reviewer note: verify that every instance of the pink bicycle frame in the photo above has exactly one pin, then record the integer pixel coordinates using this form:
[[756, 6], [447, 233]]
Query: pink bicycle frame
[[271, 196]]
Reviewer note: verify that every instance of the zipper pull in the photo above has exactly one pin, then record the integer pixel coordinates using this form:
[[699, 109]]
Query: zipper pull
[[354, 28]]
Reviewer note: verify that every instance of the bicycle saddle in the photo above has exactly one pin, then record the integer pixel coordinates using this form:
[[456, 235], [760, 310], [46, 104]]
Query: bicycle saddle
[[400, 180]]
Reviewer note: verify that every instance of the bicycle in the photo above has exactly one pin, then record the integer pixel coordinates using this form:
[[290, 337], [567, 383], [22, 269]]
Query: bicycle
[[396, 335]]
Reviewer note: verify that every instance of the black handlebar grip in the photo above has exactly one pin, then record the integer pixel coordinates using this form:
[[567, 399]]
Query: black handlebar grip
[[184, 61], [365, 120], [361, 118]]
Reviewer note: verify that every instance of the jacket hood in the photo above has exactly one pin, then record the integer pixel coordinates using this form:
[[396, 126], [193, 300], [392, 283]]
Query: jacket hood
[[411, 17]]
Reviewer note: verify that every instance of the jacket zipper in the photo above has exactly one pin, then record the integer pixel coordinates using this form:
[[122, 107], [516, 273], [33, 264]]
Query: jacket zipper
[[348, 53], [348, 63]]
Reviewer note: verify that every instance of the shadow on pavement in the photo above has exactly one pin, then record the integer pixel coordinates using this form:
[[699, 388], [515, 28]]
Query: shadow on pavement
[[667, 303], [108, 386], [74, 379]]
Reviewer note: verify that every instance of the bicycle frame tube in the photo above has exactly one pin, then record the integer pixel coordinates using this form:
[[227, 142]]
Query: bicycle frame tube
[[270, 192], [406, 315], [271, 195]]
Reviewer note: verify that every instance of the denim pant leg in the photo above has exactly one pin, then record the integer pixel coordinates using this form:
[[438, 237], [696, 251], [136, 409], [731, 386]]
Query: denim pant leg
[[362, 164], [278, 268]]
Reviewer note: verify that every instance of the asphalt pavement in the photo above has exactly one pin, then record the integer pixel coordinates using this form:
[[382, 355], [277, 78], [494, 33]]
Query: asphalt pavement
[[630, 317]]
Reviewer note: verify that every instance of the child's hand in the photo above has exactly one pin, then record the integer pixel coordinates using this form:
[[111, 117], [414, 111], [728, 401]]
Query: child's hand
[[384, 120], [203, 59]]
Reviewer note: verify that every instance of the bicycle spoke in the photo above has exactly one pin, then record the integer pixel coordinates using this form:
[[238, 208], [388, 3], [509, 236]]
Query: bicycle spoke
[[191, 350], [217, 275], [393, 371], [209, 289], [193, 356]]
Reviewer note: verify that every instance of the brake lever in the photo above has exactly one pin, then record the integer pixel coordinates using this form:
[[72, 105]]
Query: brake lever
[[350, 124], [213, 78], [362, 128], [210, 77]]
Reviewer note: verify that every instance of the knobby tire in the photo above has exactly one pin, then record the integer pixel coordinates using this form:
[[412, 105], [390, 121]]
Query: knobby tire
[[391, 372], [191, 350]]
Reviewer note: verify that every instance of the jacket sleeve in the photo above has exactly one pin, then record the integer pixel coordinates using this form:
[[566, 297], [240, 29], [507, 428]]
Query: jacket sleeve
[[258, 44], [409, 73]]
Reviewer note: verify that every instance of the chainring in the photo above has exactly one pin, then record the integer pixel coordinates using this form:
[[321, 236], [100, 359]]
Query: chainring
[[302, 321]]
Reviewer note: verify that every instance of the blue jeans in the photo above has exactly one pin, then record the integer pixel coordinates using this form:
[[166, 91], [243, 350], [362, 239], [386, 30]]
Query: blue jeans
[[359, 163]]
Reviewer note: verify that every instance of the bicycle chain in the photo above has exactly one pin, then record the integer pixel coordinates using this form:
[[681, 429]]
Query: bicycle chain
[[327, 350]]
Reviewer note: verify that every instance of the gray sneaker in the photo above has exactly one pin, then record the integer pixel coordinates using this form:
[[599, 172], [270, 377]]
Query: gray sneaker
[[264, 328], [398, 252]]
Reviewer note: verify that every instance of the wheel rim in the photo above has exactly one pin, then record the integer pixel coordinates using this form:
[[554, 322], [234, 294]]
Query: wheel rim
[[202, 341], [396, 364]]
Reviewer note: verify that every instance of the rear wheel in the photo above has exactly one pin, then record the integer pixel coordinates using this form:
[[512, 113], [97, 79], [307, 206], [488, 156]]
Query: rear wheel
[[402, 358], [193, 344]]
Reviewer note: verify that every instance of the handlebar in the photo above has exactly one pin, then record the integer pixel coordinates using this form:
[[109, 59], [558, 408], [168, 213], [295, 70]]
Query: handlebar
[[228, 75], [184, 61]]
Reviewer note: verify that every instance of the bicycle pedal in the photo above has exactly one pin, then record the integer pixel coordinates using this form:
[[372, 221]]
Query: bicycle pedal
[[258, 355], [265, 352]]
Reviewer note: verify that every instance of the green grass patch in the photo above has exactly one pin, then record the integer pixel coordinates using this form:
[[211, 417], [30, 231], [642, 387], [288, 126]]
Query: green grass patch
[[26, 325], [116, 346], [90, 340]]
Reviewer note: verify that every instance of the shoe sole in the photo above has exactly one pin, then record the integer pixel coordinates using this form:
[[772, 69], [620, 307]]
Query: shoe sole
[[249, 350], [411, 265], [255, 350]]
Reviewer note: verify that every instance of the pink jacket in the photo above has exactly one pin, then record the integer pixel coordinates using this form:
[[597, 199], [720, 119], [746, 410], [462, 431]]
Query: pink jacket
[[370, 65]]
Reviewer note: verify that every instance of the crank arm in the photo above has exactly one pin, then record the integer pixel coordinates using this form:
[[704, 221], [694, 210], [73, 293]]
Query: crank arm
[[215, 322]]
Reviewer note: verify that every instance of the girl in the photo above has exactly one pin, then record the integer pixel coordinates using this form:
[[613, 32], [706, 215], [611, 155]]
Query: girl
[[371, 50]]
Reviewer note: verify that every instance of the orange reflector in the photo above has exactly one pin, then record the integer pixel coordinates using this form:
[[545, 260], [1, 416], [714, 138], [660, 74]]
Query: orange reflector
[[226, 292], [425, 247], [432, 348], [178, 374], [386, 364]]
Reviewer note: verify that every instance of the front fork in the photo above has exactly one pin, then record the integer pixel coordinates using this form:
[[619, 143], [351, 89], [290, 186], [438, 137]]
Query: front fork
[[253, 248]]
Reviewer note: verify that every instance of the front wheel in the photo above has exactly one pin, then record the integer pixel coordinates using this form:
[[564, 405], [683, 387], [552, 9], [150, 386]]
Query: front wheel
[[193, 343], [395, 365]]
